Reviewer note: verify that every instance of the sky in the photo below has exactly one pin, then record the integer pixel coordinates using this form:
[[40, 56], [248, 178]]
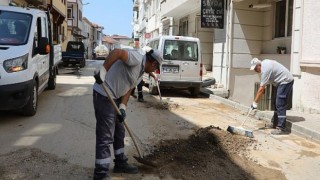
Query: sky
[[114, 15]]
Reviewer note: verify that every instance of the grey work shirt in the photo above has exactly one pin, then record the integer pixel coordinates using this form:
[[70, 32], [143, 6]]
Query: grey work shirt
[[275, 73], [123, 76]]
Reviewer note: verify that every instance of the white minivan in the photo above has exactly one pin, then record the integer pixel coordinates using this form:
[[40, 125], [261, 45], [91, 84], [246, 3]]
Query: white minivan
[[182, 65]]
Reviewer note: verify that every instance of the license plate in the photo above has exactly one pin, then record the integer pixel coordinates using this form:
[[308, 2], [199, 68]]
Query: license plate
[[170, 69]]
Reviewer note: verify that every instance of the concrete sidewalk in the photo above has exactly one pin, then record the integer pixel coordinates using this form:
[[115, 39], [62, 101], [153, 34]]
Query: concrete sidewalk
[[302, 124]]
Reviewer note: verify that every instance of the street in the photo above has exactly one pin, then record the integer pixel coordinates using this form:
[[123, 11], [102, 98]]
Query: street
[[59, 141]]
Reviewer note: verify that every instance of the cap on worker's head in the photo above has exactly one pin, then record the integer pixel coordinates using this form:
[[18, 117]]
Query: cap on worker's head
[[254, 62], [157, 56], [154, 53], [146, 49]]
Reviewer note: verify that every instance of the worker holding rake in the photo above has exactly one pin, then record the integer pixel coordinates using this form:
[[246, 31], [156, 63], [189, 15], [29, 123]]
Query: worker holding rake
[[275, 73], [121, 71]]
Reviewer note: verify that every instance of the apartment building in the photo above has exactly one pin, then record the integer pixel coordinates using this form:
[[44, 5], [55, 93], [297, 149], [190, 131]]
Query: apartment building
[[251, 28], [74, 16]]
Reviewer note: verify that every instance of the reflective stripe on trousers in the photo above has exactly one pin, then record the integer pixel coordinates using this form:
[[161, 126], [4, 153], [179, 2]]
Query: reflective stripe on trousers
[[108, 131]]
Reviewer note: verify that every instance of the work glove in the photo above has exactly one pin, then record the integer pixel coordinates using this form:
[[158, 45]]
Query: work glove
[[122, 116], [99, 75], [254, 105]]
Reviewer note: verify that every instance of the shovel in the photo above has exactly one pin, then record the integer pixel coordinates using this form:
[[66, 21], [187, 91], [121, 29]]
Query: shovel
[[159, 90], [99, 76]]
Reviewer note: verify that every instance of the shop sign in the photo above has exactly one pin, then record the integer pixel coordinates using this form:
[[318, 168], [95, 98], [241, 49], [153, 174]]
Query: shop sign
[[212, 14]]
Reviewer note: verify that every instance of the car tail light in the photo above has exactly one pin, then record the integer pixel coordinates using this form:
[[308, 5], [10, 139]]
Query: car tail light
[[201, 71]]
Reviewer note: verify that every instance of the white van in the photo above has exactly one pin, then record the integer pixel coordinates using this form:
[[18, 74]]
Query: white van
[[182, 65], [101, 52], [28, 60]]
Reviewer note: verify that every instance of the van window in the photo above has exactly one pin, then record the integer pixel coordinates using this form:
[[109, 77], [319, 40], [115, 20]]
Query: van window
[[155, 44], [180, 50], [14, 28]]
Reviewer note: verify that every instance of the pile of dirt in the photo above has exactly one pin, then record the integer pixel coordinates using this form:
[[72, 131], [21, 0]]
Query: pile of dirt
[[30, 163], [207, 154], [162, 105]]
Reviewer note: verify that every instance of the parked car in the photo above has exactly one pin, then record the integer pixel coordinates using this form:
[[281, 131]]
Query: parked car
[[29, 61], [101, 52], [74, 54], [182, 65]]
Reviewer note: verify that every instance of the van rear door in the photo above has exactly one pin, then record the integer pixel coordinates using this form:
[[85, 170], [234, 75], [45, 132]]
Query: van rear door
[[183, 60]]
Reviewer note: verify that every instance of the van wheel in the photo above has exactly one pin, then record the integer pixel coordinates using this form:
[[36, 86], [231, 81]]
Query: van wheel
[[52, 80], [30, 108], [153, 86], [64, 64], [83, 63], [194, 91]]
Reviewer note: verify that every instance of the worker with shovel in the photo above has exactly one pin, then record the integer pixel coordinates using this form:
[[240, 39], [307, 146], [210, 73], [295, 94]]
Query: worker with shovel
[[121, 72], [275, 73]]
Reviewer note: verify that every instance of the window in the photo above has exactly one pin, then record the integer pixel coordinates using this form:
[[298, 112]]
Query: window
[[283, 18], [180, 50], [183, 27], [69, 13], [80, 15]]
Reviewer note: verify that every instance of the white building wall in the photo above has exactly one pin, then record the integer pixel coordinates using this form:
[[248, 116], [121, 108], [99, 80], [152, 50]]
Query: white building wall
[[252, 36], [246, 43], [4, 2], [306, 56], [247, 39]]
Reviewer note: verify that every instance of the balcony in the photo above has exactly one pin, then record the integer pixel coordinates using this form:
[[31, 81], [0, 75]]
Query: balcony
[[37, 2], [136, 5], [178, 8]]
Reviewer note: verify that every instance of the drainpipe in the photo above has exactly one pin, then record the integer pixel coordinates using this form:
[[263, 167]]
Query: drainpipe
[[230, 46], [171, 26]]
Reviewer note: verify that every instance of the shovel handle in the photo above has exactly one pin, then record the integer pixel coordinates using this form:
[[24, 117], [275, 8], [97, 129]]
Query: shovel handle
[[124, 122], [159, 90]]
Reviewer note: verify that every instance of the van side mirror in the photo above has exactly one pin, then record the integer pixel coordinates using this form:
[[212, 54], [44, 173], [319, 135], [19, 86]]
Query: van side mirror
[[43, 46]]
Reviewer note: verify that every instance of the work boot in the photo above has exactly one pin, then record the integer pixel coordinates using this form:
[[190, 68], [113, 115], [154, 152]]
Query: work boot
[[279, 131], [122, 166], [140, 99], [270, 125], [101, 177]]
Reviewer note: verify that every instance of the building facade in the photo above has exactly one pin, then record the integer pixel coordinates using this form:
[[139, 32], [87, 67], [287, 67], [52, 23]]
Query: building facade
[[74, 16], [87, 32]]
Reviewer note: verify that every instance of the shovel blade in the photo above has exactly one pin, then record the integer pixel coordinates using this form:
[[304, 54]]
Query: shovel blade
[[145, 162]]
